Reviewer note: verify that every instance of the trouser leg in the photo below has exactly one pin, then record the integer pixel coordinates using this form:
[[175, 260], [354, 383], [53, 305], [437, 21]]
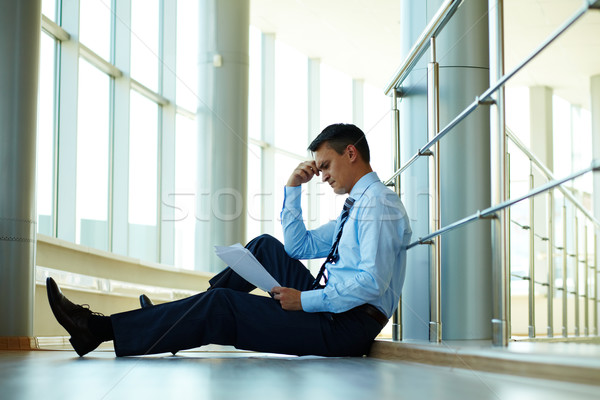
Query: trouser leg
[[271, 254], [230, 317]]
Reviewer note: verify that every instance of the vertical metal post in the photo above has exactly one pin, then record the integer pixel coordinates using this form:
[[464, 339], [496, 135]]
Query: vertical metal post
[[595, 283], [550, 212], [586, 293], [508, 243], [576, 274], [433, 127], [500, 260], [397, 317], [565, 329], [531, 256]]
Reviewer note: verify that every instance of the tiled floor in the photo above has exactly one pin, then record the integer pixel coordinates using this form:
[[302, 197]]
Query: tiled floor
[[220, 373]]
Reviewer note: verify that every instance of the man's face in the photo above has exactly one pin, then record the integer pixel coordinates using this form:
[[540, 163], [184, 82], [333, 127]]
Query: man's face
[[335, 168]]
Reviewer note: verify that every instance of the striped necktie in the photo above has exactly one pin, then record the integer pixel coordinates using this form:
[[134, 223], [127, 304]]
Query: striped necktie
[[333, 253]]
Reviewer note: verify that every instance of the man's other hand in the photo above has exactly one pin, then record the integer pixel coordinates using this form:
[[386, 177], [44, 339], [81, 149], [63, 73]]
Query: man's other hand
[[288, 297]]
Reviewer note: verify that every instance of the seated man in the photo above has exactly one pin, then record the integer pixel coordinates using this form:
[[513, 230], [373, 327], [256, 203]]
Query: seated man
[[338, 313]]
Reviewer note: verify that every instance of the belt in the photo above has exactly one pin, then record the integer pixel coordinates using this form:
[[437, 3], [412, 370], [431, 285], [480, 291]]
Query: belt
[[374, 313]]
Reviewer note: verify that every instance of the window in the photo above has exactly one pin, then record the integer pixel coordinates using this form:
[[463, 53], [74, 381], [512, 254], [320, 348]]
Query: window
[[378, 130], [291, 99], [143, 177], [254, 201], [94, 26], [144, 42], [336, 96], [184, 198], [49, 9], [255, 86], [45, 136], [572, 142], [187, 54], [92, 157]]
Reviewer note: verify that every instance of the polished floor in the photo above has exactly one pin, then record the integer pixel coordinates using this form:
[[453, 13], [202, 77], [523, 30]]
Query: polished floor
[[223, 373]]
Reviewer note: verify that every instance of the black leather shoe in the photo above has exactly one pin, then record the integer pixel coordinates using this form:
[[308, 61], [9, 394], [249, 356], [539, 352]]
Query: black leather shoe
[[145, 301], [74, 318]]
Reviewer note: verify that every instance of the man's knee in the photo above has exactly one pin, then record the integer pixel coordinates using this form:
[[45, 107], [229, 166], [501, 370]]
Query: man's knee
[[218, 297], [264, 241], [265, 238]]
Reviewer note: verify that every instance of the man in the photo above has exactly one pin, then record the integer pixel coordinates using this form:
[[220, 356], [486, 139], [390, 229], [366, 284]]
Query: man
[[338, 313]]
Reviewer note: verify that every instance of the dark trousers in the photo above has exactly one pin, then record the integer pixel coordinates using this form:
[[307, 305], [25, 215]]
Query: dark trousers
[[227, 314]]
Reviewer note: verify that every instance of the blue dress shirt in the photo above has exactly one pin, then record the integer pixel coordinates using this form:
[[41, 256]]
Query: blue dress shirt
[[372, 249]]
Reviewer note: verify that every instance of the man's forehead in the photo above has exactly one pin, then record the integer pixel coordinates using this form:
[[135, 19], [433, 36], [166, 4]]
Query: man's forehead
[[322, 154]]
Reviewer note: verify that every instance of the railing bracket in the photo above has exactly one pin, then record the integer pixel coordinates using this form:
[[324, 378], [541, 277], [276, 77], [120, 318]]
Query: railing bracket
[[486, 101], [482, 216], [425, 153]]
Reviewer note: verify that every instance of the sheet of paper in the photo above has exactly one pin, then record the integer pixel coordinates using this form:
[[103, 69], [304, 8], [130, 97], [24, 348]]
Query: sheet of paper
[[242, 261]]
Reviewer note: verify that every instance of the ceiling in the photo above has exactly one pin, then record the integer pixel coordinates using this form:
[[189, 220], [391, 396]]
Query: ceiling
[[360, 38]]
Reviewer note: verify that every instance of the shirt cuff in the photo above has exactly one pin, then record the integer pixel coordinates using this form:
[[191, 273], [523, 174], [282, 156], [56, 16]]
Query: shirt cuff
[[312, 300]]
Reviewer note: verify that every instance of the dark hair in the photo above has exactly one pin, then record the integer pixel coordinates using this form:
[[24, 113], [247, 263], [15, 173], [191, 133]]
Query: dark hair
[[339, 136]]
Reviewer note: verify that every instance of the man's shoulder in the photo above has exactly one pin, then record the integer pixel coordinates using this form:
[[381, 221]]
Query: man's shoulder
[[379, 196]]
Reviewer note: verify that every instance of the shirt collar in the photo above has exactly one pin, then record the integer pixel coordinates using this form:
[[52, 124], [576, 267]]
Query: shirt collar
[[363, 183]]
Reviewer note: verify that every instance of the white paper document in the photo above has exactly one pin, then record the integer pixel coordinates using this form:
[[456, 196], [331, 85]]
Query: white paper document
[[242, 261]]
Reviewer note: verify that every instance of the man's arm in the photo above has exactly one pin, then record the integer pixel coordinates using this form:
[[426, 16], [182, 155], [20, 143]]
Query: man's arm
[[299, 242], [295, 232]]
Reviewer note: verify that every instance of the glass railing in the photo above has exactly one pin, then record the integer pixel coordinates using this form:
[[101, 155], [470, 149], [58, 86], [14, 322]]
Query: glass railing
[[554, 252], [579, 281]]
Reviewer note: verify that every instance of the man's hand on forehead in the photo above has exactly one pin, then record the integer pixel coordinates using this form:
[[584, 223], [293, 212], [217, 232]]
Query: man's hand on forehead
[[303, 173]]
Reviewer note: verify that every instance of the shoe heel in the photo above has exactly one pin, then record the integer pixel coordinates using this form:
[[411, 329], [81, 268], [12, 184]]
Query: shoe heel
[[82, 347]]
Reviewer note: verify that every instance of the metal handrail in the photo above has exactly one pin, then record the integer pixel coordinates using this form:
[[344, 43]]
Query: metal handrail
[[485, 97], [488, 212], [436, 24], [549, 175]]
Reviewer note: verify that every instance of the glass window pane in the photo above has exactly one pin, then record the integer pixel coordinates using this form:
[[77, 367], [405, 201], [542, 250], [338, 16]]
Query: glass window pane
[[143, 160], [563, 144], [581, 131], [255, 85], [143, 177], [378, 131], [285, 165], [92, 157], [144, 42], [94, 26], [255, 195], [184, 199], [45, 136], [49, 9], [517, 112], [187, 54], [336, 96], [291, 99]]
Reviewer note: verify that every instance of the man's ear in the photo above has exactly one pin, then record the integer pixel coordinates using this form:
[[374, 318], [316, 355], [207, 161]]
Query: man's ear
[[352, 152]]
